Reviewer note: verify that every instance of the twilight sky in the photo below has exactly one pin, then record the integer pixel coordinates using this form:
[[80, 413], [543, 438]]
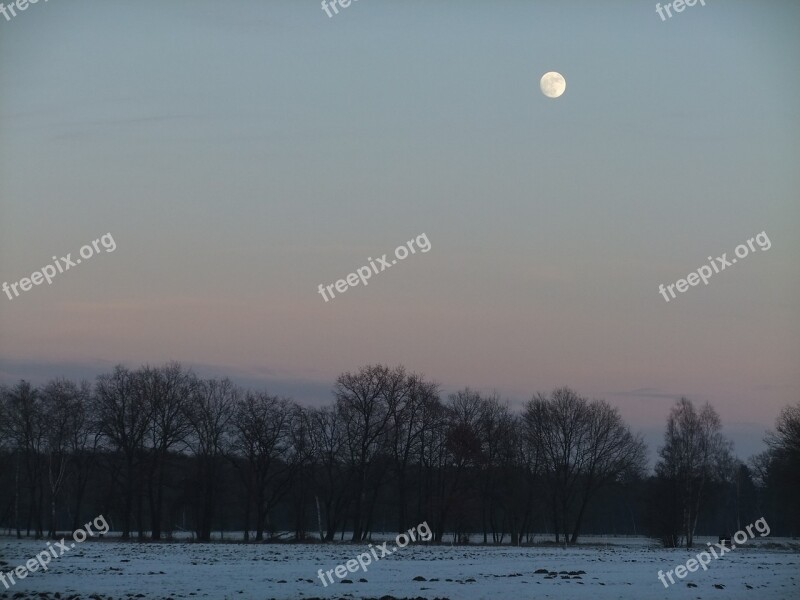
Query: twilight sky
[[241, 153]]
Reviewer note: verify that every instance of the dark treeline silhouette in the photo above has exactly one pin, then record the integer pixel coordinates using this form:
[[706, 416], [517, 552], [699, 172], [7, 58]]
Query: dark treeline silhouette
[[159, 450]]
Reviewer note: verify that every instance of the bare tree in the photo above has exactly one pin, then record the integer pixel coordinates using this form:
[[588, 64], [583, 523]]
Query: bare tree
[[210, 415], [167, 392], [83, 445], [63, 404], [561, 425], [520, 464], [327, 439], [786, 438], [407, 427], [462, 453], [263, 437], [25, 425], [584, 446], [123, 419], [613, 454], [693, 452], [778, 469], [431, 459], [495, 427], [366, 401]]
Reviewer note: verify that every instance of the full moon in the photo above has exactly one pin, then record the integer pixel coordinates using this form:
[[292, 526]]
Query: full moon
[[553, 84]]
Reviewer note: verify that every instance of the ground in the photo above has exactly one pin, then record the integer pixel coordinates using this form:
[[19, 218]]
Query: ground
[[617, 569]]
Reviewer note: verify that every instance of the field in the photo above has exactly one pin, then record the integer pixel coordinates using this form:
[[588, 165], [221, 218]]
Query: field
[[611, 569]]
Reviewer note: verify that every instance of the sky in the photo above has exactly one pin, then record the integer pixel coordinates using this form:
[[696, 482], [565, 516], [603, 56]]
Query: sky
[[242, 153]]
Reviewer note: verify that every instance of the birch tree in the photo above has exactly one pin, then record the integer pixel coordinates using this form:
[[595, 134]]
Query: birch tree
[[694, 450]]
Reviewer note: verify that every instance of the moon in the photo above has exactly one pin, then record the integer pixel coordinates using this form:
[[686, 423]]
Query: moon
[[553, 84]]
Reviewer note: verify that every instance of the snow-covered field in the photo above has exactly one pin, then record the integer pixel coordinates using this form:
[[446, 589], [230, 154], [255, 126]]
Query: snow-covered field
[[626, 569]]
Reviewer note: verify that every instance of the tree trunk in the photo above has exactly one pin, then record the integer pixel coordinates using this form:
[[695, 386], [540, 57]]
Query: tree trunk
[[76, 520], [319, 518], [157, 509], [16, 498], [357, 508], [579, 519], [247, 515]]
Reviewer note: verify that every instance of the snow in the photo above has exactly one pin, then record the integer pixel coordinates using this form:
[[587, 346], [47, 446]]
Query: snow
[[627, 568]]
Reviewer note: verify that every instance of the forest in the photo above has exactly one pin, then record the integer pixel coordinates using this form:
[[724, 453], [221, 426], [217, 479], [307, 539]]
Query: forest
[[160, 451]]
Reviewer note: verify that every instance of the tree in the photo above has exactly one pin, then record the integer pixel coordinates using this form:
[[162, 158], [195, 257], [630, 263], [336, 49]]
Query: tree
[[83, 446], [305, 465], [495, 425], [123, 419], [263, 437], [366, 401], [167, 392], [779, 470], [461, 453], [63, 404], [327, 440], [407, 428], [786, 438], [585, 446], [23, 409], [613, 455], [210, 414], [692, 457]]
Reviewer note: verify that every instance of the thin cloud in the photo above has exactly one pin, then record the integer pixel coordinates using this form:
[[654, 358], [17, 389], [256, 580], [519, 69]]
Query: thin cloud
[[648, 393]]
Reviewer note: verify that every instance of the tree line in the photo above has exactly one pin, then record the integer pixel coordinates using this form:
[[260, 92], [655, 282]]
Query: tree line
[[159, 450]]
